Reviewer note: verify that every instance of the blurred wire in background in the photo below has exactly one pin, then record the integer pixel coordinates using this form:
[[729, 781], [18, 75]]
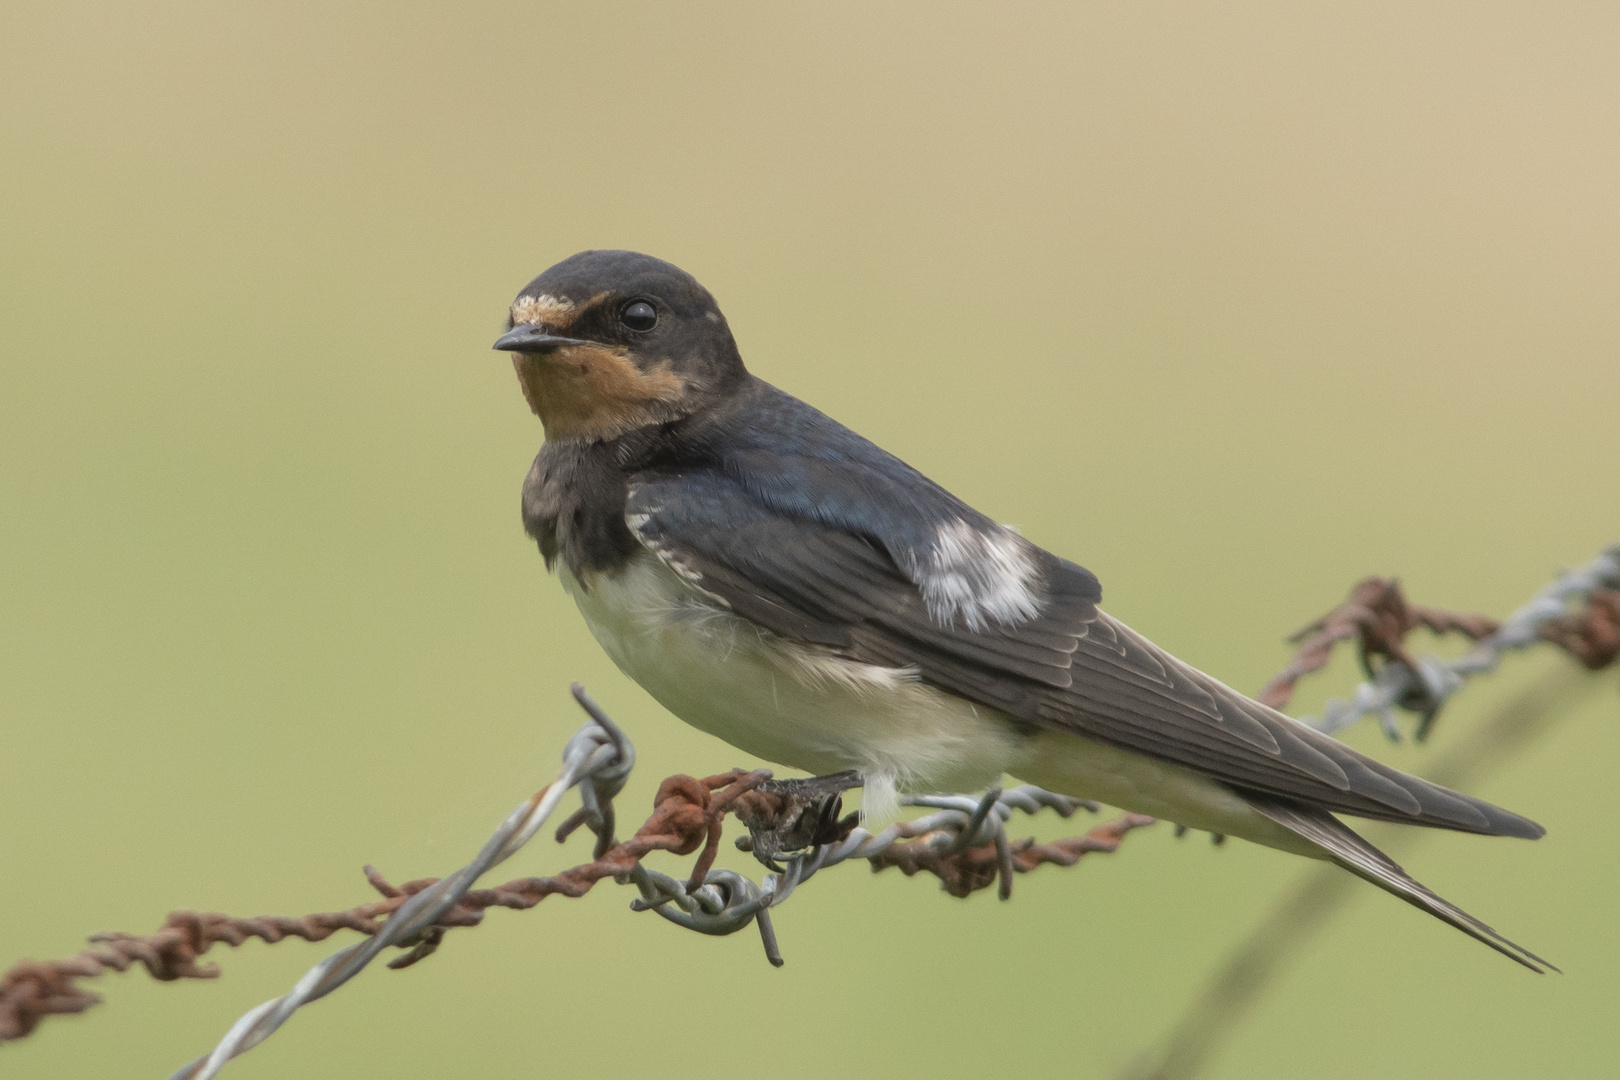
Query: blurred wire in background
[[1379, 617], [1579, 612]]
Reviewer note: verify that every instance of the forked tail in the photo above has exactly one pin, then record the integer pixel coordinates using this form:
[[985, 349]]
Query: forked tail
[[1356, 855]]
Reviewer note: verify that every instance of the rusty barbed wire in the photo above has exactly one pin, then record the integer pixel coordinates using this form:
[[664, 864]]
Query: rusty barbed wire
[[1592, 636], [1379, 617], [598, 756], [33, 990], [963, 872], [963, 843], [794, 827], [1589, 634]]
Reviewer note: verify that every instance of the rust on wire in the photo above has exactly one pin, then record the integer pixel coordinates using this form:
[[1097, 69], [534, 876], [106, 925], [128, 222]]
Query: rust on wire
[[1579, 612], [962, 873], [1592, 636], [963, 842], [33, 990], [1377, 616], [687, 818]]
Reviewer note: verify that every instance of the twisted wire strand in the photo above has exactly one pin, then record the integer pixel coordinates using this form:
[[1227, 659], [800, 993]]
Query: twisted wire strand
[[962, 841], [1426, 683], [594, 754], [1591, 637]]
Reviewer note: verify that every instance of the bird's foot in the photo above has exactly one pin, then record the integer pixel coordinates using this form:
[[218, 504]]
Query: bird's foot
[[789, 815]]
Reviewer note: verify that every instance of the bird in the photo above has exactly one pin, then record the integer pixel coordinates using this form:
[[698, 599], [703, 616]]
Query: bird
[[776, 580]]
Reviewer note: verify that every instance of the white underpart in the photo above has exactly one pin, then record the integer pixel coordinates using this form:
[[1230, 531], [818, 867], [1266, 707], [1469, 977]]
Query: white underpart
[[794, 705], [811, 710], [983, 576]]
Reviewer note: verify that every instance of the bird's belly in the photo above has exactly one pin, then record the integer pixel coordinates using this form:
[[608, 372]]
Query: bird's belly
[[796, 705], [1074, 765]]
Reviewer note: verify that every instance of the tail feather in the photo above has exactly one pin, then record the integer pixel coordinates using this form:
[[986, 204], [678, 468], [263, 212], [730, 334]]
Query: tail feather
[[1345, 847]]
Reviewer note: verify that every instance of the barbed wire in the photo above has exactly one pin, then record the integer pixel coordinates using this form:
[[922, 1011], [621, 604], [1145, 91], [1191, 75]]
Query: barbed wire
[[794, 825], [963, 843], [1379, 617], [598, 756]]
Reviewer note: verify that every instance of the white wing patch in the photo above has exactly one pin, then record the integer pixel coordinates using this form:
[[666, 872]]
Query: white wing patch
[[983, 576]]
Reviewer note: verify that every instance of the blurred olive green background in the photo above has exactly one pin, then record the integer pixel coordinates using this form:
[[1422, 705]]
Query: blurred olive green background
[[1232, 303]]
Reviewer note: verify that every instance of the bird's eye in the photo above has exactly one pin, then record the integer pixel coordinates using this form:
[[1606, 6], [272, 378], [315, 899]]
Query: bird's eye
[[639, 315]]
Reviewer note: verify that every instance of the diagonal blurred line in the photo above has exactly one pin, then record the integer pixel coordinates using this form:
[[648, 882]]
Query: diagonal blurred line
[[593, 747], [1242, 980]]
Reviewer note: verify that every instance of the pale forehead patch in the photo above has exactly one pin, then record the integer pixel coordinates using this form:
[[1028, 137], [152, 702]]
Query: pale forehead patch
[[545, 308]]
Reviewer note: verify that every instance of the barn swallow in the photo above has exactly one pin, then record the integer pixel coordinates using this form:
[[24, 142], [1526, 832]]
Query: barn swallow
[[778, 581]]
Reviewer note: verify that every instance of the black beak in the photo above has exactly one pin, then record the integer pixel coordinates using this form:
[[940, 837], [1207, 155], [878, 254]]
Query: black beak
[[531, 338]]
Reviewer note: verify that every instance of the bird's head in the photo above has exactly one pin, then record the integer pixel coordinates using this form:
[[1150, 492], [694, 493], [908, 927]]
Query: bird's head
[[609, 341]]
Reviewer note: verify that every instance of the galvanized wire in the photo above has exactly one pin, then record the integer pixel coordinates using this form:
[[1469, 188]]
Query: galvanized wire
[[963, 842], [727, 902], [598, 760], [1429, 681]]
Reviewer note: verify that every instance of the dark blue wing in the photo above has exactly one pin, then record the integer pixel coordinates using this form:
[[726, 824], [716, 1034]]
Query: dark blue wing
[[820, 584], [811, 532]]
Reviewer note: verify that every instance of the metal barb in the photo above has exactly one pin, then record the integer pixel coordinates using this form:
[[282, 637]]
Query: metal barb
[[597, 748], [1424, 684], [963, 842]]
